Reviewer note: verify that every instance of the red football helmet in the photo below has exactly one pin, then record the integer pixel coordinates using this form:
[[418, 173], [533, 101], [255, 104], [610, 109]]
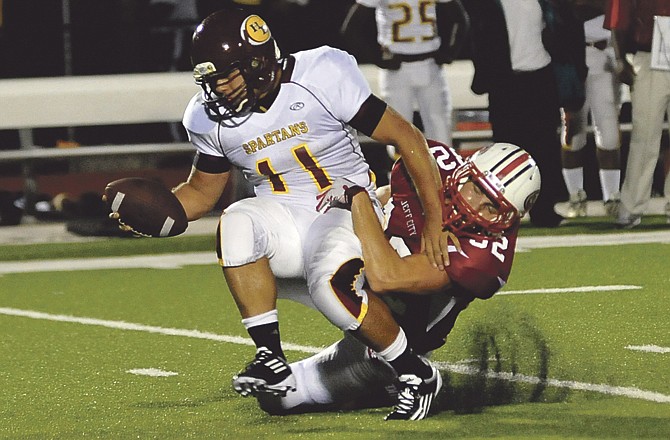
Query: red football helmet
[[230, 40], [507, 174]]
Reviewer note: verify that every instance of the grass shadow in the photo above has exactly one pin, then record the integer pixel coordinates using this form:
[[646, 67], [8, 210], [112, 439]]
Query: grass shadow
[[511, 366]]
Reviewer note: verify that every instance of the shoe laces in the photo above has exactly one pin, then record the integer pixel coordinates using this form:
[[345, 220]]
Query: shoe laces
[[408, 393], [262, 355]]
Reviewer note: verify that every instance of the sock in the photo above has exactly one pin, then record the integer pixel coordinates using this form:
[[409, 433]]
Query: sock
[[609, 182], [404, 360], [264, 330], [574, 179]]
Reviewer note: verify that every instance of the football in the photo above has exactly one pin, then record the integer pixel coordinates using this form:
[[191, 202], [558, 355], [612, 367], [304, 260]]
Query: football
[[146, 206]]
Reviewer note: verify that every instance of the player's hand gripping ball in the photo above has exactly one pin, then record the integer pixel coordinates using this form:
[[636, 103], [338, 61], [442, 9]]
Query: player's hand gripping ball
[[145, 207]]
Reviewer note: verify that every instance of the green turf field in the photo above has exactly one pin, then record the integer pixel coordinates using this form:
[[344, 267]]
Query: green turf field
[[542, 359]]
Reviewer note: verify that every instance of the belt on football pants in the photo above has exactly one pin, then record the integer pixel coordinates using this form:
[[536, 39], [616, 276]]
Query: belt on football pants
[[600, 44], [415, 57]]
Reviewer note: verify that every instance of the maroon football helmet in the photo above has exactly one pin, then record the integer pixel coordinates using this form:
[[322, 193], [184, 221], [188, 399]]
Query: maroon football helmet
[[230, 41]]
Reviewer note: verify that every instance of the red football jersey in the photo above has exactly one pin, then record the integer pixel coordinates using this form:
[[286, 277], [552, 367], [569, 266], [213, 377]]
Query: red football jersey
[[483, 265]]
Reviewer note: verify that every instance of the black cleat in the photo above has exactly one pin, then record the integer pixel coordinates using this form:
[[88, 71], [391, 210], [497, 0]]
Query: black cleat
[[415, 396], [267, 373]]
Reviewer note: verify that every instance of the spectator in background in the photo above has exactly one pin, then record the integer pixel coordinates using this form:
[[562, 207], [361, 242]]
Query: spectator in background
[[602, 103], [632, 23], [412, 43], [517, 60]]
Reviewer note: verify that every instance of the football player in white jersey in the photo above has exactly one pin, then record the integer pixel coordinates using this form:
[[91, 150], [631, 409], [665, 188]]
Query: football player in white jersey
[[485, 198], [414, 39], [289, 124], [602, 104]]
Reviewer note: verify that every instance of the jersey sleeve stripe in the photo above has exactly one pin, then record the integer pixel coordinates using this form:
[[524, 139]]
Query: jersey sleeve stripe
[[211, 164], [368, 116]]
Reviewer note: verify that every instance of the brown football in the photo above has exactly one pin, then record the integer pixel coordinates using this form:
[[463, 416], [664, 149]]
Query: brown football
[[147, 206]]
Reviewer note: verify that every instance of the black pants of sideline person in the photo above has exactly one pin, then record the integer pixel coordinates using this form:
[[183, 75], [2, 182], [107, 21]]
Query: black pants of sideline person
[[525, 111]]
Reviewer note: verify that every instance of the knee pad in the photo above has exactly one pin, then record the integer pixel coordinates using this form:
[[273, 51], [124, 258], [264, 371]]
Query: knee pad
[[608, 140], [238, 242], [575, 142]]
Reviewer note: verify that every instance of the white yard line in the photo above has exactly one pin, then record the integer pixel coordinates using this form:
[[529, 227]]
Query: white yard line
[[160, 261], [153, 372], [558, 241], [630, 392], [578, 289], [649, 348], [122, 325]]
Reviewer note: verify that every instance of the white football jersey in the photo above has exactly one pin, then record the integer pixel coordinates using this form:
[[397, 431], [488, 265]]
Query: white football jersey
[[406, 27], [303, 142]]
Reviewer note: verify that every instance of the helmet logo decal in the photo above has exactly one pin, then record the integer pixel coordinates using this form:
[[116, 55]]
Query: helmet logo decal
[[530, 200], [254, 30], [203, 69]]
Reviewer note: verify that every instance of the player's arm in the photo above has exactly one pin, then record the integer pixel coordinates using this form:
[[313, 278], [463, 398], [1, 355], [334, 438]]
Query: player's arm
[[204, 186], [383, 124], [623, 68], [393, 129], [617, 20], [385, 270]]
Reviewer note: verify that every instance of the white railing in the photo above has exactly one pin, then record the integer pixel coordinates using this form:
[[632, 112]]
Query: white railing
[[75, 101]]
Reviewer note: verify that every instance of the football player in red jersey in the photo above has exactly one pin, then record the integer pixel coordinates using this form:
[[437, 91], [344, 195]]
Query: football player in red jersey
[[486, 196]]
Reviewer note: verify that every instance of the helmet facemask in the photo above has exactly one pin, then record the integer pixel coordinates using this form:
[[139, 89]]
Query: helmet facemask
[[462, 219], [218, 106], [507, 175]]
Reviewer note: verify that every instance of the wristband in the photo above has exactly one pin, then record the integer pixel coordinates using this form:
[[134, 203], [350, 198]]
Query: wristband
[[351, 191]]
